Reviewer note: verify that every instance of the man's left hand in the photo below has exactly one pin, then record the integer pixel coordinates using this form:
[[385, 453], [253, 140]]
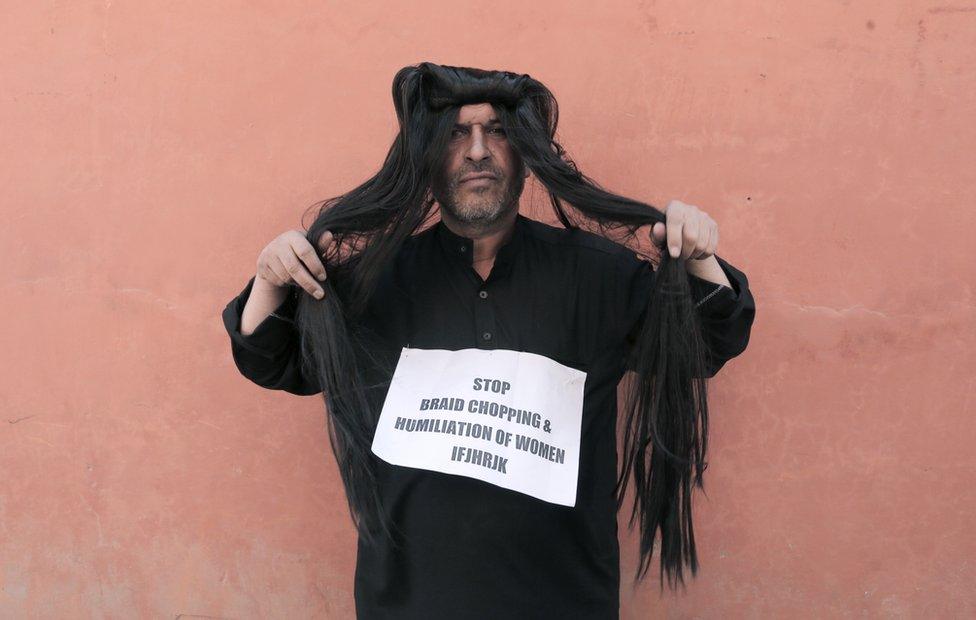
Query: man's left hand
[[691, 233]]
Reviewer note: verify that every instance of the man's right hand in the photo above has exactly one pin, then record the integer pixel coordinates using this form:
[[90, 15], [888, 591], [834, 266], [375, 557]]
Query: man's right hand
[[291, 259]]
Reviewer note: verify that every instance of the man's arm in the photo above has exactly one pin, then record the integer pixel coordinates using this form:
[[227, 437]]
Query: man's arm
[[708, 269], [726, 312], [270, 355]]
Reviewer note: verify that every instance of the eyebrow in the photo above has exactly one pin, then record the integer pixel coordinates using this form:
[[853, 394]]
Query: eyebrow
[[491, 121]]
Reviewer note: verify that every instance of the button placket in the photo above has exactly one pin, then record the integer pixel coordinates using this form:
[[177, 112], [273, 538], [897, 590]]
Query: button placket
[[484, 322]]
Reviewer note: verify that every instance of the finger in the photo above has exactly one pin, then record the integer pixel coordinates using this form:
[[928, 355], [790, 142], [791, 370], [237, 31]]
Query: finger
[[279, 272], [325, 240], [701, 248], [306, 253], [674, 225], [300, 275], [658, 233], [689, 237]]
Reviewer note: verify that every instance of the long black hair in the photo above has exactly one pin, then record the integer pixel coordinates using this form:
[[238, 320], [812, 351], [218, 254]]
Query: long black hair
[[666, 424]]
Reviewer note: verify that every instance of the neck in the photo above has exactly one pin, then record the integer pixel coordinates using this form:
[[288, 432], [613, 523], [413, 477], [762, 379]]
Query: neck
[[487, 239]]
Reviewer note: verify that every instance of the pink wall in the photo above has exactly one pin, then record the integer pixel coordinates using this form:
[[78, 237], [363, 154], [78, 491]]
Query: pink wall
[[149, 153]]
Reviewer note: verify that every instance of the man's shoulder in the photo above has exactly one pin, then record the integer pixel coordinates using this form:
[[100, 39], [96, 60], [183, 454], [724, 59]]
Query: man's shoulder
[[582, 240]]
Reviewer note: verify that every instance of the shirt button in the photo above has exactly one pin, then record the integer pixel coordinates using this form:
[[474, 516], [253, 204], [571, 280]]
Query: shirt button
[[486, 335], [464, 249], [483, 294]]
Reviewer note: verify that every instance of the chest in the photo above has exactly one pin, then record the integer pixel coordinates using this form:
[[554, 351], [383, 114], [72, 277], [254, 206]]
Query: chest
[[555, 310]]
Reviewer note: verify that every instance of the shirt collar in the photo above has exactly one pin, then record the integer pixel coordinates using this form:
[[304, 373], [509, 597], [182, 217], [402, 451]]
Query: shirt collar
[[461, 248]]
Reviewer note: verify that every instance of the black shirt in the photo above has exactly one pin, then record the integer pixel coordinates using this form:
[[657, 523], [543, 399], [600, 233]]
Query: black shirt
[[474, 549]]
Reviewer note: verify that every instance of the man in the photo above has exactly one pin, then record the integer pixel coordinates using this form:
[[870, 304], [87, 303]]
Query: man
[[489, 529]]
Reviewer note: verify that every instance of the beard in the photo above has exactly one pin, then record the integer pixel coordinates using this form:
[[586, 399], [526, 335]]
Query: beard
[[479, 205]]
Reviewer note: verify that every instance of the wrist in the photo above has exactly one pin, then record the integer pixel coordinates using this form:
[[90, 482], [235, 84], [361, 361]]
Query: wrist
[[268, 287], [708, 269]]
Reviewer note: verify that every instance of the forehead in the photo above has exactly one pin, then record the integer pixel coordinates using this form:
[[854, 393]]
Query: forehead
[[476, 113]]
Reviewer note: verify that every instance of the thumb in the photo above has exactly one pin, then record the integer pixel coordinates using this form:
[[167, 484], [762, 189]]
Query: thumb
[[658, 233]]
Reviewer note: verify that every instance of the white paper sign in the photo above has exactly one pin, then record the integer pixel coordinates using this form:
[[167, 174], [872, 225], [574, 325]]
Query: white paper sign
[[510, 418]]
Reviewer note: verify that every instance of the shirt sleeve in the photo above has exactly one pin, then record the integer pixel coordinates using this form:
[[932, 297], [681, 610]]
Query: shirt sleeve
[[717, 300], [271, 355], [726, 313]]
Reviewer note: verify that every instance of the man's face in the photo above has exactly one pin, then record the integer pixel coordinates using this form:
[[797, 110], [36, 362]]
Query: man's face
[[478, 145]]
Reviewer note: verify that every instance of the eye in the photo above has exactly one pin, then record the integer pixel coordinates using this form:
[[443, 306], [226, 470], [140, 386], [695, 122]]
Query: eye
[[499, 130]]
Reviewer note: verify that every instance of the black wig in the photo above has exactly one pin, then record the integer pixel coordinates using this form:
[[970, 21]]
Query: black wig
[[666, 411]]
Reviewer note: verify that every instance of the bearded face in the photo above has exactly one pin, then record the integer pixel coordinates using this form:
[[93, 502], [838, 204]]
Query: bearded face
[[483, 176]]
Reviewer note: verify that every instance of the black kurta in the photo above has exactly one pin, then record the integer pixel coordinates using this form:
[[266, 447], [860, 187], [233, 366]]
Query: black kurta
[[473, 549]]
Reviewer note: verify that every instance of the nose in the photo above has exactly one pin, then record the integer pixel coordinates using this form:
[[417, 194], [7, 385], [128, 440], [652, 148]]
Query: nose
[[477, 149]]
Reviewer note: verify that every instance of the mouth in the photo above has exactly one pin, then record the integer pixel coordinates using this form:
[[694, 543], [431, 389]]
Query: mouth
[[484, 176]]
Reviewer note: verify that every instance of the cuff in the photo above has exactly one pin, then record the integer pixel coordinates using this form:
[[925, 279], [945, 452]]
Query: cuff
[[717, 300], [273, 334]]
